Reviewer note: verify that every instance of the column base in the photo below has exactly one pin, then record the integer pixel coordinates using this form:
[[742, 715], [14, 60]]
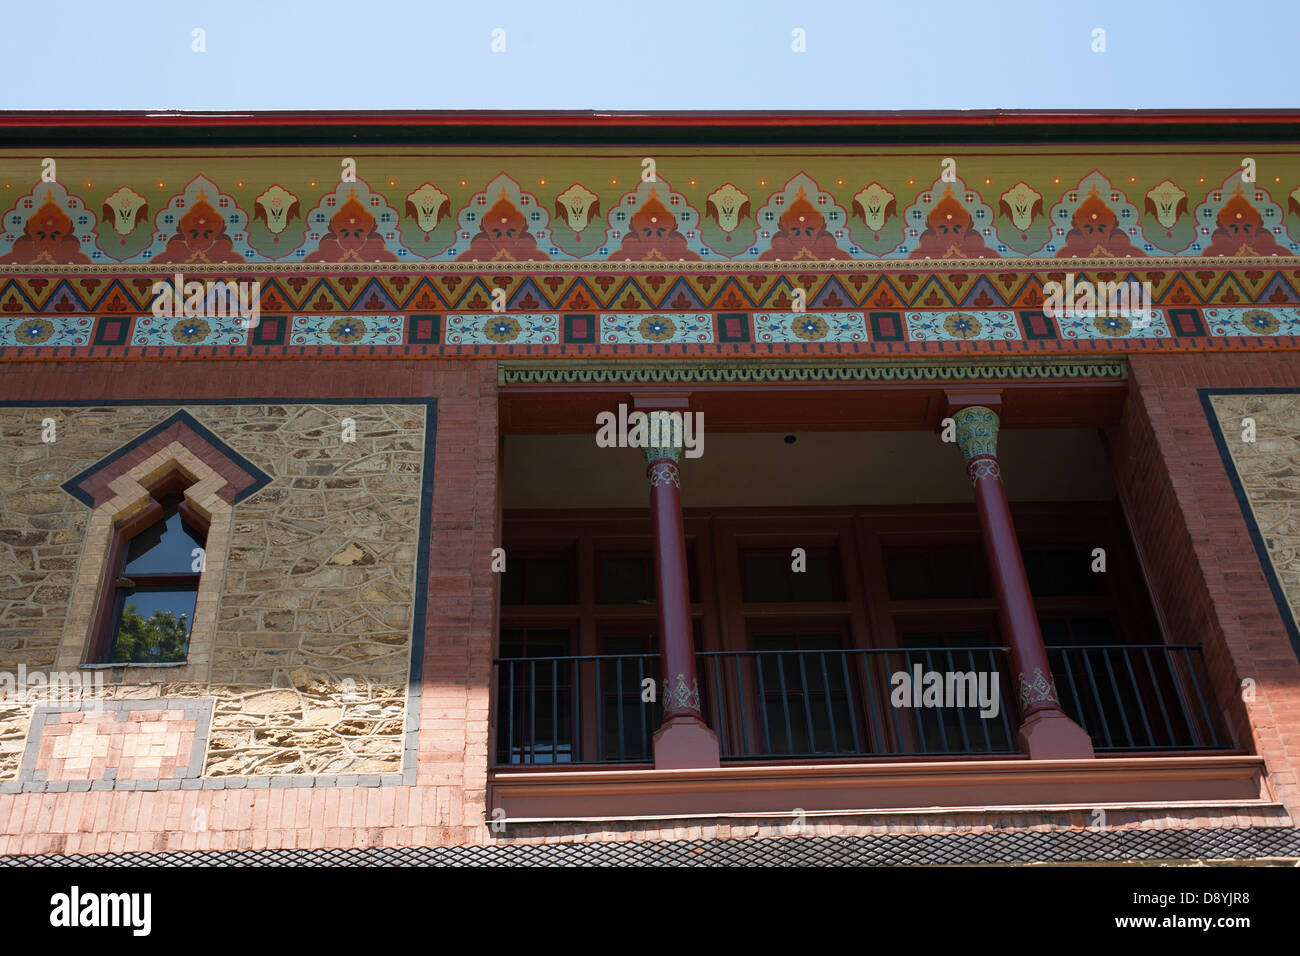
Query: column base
[[686, 743], [1050, 735]]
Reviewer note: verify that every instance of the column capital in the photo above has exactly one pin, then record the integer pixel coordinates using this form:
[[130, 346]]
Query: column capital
[[977, 432], [664, 440]]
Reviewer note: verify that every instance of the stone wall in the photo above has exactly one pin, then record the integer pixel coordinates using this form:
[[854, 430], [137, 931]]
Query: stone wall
[[311, 656], [1269, 471]]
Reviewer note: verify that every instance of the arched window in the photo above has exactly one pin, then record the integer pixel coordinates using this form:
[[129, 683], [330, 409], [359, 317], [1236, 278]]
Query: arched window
[[147, 610]]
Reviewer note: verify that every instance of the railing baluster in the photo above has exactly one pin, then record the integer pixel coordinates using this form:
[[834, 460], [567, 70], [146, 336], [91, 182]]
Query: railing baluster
[[961, 711], [618, 704], [917, 720], [644, 748], [532, 713], [510, 739], [1074, 691], [762, 703], [555, 710], [1196, 686], [984, 723], [1160, 696], [891, 710], [1002, 704], [602, 747], [785, 704], [1114, 685], [575, 709], [740, 696], [1096, 699], [719, 704], [941, 710], [807, 706], [1137, 692], [867, 708], [830, 713]]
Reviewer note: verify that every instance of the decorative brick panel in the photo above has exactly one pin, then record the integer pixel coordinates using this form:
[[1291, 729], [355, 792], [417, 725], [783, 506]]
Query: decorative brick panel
[[116, 744]]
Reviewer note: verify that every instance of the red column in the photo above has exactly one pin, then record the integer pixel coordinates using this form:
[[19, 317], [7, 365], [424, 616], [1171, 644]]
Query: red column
[[684, 740], [1045, 730]]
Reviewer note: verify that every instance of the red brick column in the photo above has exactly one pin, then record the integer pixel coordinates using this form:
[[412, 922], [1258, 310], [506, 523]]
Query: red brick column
[[684, 740], [1045, 730]]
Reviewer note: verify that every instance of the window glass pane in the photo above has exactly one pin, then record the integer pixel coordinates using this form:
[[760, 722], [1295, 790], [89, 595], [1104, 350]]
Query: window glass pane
[[817, 582], [1055, 630], [512, 582], [791, 642], [165, 547], [769, 578], [909, 575], [932, 575], [154, 626], [1063, 572], [1078, 630], [965, 637], [535, 642], [626, 580], [1073, 574], [766, 577], [954, 574], [547, 581], [647, 643]]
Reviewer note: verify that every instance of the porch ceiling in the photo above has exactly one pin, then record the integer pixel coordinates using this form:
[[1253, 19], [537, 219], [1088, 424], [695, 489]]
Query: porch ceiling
[[819, 468]]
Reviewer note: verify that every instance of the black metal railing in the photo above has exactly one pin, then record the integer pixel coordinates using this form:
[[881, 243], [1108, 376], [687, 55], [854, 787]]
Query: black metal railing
[[825, 703], [590, 708], [895, 702], [1138, 696]]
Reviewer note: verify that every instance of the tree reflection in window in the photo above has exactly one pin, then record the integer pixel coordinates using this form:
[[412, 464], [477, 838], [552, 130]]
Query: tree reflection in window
[[157, 589]]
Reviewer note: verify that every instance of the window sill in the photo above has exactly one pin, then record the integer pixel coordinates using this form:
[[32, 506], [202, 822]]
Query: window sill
[[777, 790], [105, 667]]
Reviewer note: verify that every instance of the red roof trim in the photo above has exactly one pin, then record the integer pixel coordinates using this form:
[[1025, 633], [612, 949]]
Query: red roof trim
[[631, 119]]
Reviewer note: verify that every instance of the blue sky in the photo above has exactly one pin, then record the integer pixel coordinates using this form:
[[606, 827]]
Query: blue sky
[[632, 54]]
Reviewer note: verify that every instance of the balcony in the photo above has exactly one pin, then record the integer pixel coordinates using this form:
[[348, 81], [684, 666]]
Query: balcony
[[813, 576], [837, 705]]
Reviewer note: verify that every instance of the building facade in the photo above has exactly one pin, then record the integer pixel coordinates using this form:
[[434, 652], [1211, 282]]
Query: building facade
[[620, 488]]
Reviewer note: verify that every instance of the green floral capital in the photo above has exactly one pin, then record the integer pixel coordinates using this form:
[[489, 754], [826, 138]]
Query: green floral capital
[[977, 431], [665, 436]]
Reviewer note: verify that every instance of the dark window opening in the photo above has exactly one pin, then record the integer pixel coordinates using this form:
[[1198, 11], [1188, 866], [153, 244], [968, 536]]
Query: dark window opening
[[1063, 572], [770, 577], [538, 579], [934, 574]]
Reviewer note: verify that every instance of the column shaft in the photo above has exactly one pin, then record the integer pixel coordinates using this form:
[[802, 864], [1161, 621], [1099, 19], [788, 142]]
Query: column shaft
[[684, 740], [1046, 732]]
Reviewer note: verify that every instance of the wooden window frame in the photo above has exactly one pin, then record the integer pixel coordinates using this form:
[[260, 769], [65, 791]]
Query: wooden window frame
[[109, 609]]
